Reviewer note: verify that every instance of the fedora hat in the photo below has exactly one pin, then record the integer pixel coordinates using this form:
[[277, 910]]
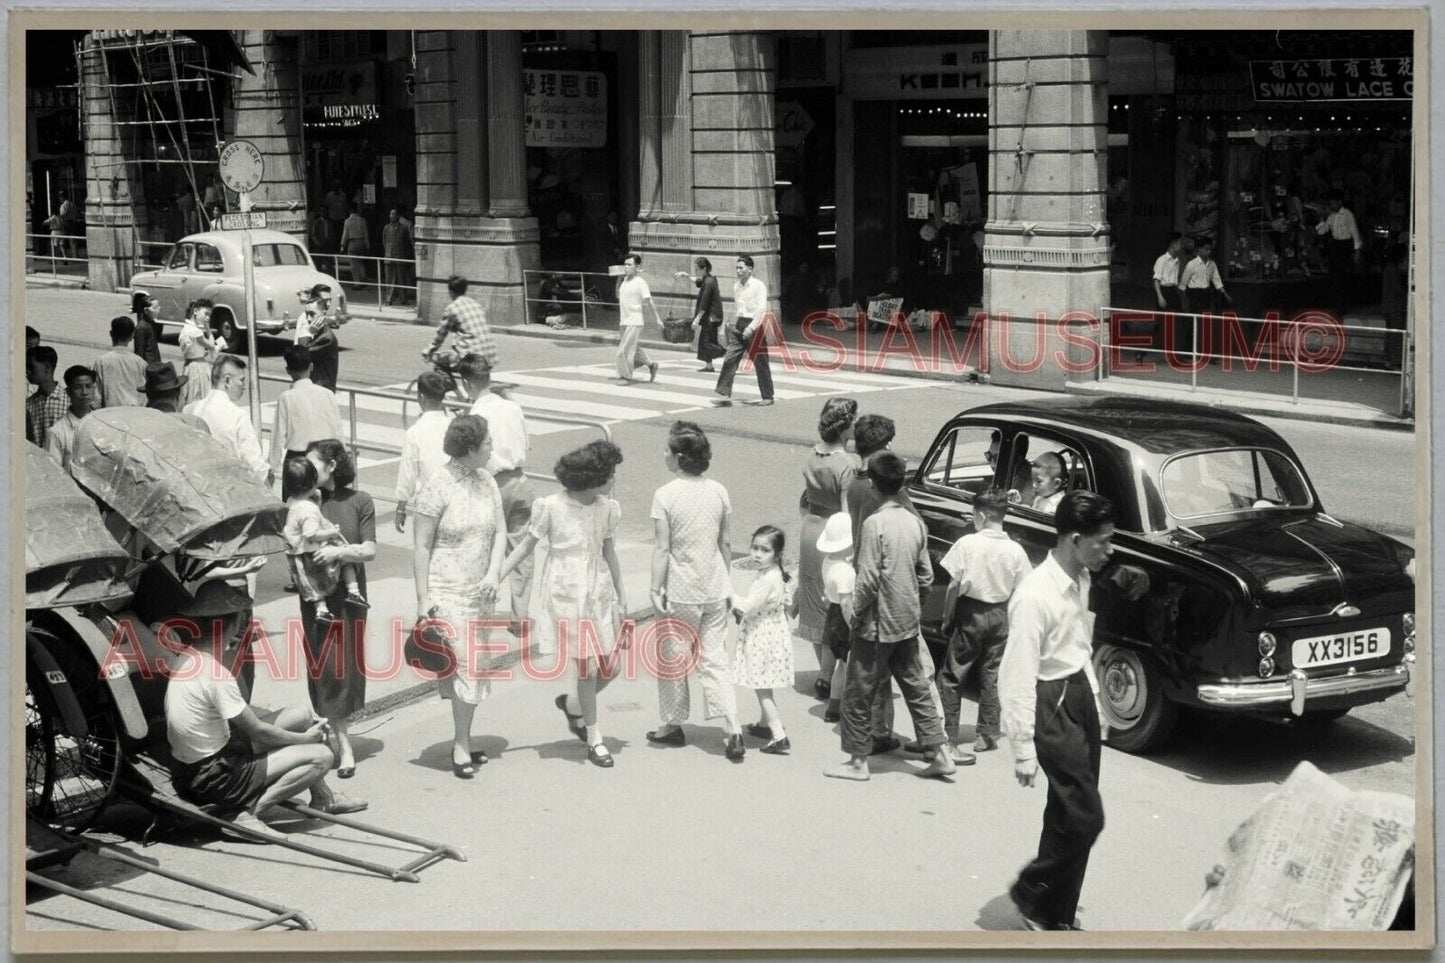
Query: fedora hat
[[837, 534], [161, 376]]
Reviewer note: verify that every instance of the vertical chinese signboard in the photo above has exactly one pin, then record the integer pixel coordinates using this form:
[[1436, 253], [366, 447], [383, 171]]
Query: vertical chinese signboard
[[565, 108]]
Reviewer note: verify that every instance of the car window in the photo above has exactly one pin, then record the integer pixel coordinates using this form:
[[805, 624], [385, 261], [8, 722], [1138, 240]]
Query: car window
[[180, 257], [208, 259], [964, 459], [273, 255], [1235, 480], [1043, 468]]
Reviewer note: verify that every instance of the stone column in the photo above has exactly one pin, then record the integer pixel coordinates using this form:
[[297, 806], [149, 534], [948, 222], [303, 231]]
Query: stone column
[[1047, 246], [723, 192], [111, 191], [649, 131], [267, 112], [472, 217]]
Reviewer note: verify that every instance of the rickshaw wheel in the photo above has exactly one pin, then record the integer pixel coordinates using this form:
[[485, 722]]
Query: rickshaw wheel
[[69, 781]]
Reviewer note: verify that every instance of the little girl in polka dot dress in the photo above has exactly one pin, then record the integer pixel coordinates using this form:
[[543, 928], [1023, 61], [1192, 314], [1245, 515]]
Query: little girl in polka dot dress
[[764, 659]]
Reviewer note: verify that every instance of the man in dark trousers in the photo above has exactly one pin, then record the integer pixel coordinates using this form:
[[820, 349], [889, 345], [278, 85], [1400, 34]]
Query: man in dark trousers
[[1050, 708]]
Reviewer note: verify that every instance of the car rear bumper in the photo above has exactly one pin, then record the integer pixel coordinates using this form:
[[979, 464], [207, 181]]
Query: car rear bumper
[[271, 325], [1298, 691]]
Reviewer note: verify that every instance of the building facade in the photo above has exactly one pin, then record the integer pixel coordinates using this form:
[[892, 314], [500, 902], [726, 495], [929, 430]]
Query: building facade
[[1014, 172]]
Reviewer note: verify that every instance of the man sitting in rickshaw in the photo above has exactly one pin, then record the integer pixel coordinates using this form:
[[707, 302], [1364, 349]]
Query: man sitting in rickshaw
[[237, 759]]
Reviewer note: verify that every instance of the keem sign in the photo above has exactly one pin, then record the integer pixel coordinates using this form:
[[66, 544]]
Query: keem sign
[[247, 221]]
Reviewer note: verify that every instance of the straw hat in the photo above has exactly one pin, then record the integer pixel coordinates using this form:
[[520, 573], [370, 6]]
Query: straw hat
[[837, 534]]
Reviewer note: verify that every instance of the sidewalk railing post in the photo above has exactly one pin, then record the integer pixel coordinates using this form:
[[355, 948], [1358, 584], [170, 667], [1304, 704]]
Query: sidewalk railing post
[[1194, 368], [351, 398], [582, 293]]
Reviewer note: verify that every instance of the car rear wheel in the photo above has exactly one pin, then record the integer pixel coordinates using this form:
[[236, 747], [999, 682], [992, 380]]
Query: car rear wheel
[[1140, 717]]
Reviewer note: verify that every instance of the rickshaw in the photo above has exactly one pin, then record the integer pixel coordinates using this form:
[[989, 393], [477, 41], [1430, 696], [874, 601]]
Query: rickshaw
[[182, 517]]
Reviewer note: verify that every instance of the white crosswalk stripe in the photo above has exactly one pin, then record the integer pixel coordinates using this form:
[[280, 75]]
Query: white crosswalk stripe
[[589, 391]]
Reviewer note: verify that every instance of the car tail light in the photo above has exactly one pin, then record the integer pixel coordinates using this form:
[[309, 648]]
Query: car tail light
[[1266, 644], [1408, 623], [1266, 668]]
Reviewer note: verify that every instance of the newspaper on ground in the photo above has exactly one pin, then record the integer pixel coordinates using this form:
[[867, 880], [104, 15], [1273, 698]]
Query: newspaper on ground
[[1315, 856]]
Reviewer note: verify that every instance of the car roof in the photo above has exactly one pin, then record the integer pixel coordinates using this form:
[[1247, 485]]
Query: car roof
[[1157, 426], [233, 238]]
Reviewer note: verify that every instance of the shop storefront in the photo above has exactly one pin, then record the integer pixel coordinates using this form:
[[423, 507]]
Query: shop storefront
[[1267, 132], [572, 90], [358, 122]]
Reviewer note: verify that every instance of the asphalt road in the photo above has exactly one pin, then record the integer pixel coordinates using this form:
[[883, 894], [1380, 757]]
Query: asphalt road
[[680, 839]]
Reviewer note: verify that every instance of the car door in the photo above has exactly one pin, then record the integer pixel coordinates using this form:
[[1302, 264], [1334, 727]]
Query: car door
[[207, 267], [962, 463], [168, 285]]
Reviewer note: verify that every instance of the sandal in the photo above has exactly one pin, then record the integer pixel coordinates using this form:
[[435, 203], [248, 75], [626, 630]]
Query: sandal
[[463, 770], [573, 722]]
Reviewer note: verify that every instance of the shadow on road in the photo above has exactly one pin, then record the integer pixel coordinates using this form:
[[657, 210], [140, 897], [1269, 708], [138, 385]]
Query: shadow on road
[[998, 914], [1227, 750]]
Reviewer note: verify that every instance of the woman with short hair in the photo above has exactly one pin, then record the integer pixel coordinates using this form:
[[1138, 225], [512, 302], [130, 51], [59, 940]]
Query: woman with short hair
[[709, 315], [460, 538], [825, 475], [337, 676]]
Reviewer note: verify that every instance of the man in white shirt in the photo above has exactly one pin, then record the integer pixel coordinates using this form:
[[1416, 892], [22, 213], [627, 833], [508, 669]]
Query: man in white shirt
[[80, 387], [507, 431], [120, 370], [1344, 250], [1166, 289], [236, 759], [1201, 290], [1050, 708], [750, 302], [221, 410], [421, 448], [984, 567], [305, 412], [632, 294]]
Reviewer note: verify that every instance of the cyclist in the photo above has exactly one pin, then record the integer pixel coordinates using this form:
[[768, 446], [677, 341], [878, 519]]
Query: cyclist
[[464, 321]]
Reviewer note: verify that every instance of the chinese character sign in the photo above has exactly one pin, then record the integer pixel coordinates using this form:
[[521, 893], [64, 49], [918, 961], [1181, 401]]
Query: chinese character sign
[[565, 108], [1298, 81]]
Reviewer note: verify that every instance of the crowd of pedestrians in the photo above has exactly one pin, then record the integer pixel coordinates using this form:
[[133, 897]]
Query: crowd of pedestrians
[[863, 569]]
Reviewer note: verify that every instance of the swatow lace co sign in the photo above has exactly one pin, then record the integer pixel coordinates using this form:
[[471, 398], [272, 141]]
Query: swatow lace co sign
[[1331, 79], [565, 108]]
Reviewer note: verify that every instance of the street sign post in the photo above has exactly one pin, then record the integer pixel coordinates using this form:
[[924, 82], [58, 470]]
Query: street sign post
[[242, 168]]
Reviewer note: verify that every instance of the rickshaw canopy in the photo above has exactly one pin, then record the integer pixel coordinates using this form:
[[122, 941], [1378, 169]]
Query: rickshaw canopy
[[70, 557], [177, 486]]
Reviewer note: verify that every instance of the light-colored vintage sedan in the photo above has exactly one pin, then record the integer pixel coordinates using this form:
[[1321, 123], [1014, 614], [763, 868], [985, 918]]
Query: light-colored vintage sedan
[[208, 265]]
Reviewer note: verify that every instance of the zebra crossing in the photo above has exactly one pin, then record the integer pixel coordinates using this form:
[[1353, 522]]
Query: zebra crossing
[[589, 391]]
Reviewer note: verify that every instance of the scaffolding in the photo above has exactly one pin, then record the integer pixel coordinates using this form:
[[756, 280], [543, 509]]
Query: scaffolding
[[161, 89]]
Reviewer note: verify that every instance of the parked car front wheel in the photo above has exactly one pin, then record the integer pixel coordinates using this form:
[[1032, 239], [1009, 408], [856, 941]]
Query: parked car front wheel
[[1140, 717]]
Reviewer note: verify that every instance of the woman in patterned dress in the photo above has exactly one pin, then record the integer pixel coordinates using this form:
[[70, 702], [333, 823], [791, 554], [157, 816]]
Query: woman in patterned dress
[[460, 538], [824, 477], [580, 599], [690, 582], [764, 659]]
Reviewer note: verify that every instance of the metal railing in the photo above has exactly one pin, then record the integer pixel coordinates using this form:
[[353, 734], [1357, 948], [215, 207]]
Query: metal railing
[[379, 280], [588, 298], [58, 256], [1291, 332], [356, 445]]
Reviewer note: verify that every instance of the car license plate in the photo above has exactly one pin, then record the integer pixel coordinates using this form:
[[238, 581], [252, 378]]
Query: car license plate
[[1344, 647]]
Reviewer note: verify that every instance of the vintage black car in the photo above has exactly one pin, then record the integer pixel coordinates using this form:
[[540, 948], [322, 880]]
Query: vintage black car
[[1257, 601]]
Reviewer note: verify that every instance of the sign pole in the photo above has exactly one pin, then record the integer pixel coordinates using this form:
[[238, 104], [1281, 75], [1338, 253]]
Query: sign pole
[[253, 373]]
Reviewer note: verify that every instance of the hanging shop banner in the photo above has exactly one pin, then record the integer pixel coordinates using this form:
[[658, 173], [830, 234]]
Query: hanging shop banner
[[565, 108], [339, 94], [917, 73], [1332, 79]]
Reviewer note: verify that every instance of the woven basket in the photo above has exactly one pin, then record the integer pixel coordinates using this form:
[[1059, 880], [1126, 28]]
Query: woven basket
[[677, 330]]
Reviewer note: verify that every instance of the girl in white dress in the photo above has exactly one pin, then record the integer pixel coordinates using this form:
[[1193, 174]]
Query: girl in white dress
[[581, 599], [764, 658], [198, 351]]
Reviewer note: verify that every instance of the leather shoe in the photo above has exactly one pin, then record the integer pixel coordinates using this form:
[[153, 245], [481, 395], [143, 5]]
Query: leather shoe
[[833, 712], [722, 402], [599, 756], [673, 738], [735, 748], [759, 730], [778, 747], [761, 402]]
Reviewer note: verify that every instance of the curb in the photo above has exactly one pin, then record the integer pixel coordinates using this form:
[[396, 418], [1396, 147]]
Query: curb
[[1379, 422]]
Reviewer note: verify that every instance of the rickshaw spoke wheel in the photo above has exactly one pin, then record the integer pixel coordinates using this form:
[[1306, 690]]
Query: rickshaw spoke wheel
[[69, 780]]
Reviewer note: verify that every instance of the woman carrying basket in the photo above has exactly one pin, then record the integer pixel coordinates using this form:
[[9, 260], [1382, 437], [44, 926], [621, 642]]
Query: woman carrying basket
[[709, 314]]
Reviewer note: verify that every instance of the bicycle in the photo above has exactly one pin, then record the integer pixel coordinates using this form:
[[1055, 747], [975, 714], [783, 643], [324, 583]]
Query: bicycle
[[449, 366]]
